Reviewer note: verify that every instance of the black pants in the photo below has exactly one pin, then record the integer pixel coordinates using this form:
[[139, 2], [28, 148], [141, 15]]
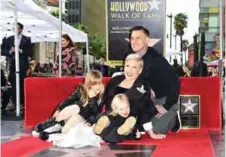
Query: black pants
[[5, 96], [12, 80], [166, 122], [110, 134]]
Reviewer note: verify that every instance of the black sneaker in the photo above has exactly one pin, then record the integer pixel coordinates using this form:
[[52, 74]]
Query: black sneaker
[[177, 125], [44, 136], [46, 124]]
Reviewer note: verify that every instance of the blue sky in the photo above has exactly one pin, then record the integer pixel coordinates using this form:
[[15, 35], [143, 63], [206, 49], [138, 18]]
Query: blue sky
[[189, 7]]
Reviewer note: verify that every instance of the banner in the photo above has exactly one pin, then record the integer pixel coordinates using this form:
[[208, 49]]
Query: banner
[[122, 15]]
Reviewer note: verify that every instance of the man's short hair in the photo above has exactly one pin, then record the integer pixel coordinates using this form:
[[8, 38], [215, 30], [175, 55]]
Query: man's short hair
[[139, 28], [20, 25]]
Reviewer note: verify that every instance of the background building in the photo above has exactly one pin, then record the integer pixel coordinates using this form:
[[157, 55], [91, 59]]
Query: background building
[[209, 23], [93, 15], [73, 11]]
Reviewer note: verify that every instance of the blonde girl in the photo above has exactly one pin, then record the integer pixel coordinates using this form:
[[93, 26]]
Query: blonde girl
[[82, 106]]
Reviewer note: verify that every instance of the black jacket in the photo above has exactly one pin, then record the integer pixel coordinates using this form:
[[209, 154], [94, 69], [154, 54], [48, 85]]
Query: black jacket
[[199, 70], [161, 77], [88, 112], [25, 46], [141, 104]]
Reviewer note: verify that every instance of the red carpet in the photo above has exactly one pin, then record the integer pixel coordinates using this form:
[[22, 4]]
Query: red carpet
[[23, 147], [187, 143]]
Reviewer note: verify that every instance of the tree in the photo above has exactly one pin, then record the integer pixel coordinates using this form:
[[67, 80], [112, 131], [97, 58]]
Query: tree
[[180, 22], [56, 13], [81, 27], [97, 46]]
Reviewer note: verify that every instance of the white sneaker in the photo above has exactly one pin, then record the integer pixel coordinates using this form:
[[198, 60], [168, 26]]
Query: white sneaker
[[35, 133], [54, 128]]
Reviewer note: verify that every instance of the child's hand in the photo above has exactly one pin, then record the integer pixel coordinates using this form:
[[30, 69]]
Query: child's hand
[[92, 93], [138, 135]]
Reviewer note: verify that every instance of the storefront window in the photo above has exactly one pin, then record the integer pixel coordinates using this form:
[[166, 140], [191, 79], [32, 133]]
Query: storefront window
[[213, 20]]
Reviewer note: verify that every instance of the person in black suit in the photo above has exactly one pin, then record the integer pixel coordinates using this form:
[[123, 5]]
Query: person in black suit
[[199, 70], [177, 68], [25, 51]]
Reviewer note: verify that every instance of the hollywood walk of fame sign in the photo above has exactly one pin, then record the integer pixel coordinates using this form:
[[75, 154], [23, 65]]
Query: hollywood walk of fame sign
[[121, 16], [190, 111]]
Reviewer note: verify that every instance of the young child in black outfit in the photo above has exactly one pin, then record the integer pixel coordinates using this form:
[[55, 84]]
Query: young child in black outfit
[[119, 125]]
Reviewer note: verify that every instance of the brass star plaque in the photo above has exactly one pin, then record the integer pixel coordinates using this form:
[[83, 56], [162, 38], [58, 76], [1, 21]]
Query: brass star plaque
[[190, 111]]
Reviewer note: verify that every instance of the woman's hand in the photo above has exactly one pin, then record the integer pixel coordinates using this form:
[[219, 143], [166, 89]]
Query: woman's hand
[[56, 114], [161, 109], [155, 136]]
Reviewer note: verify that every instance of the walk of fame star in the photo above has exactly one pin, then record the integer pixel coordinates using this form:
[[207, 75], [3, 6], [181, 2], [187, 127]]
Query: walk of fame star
[[108, 150], [189, 106], [154, 5]]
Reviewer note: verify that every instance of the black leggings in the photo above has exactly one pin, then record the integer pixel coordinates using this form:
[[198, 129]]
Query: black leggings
[[111, 135]]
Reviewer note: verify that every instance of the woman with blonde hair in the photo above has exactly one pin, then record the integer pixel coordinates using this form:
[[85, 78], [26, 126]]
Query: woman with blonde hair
[[137, 91], [72, 60], [82, 106]]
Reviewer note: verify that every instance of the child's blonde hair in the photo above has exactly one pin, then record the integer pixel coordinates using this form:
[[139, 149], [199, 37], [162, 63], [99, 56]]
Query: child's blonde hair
[[117, 100], [92, 78]]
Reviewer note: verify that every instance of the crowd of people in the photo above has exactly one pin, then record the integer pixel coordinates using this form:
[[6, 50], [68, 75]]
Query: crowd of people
[[185, 71]]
